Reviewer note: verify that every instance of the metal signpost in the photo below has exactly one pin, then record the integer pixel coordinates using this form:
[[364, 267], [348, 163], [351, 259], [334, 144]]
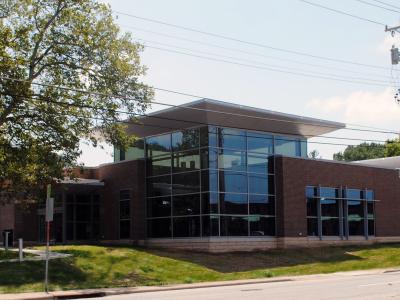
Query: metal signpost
[[49, 218]]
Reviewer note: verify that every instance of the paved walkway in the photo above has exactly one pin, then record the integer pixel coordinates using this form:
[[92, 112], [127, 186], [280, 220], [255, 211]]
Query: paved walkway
[[38, 255]]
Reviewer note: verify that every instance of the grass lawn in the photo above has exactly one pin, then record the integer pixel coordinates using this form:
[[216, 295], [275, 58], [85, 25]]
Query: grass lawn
[[7, 254], [101, 266]]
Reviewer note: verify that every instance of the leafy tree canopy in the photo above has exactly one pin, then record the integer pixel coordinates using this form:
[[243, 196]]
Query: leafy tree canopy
[[369, 151], [69, 43]]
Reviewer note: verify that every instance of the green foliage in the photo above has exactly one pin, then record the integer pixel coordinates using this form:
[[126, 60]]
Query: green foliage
[[71, 43], [361, 152], [392, 148]]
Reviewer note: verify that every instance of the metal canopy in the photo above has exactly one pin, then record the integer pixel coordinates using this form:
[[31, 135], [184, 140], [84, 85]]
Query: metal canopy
[[226, 114]]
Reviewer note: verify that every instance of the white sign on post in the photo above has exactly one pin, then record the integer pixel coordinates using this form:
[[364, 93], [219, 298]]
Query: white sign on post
[[49, 209]]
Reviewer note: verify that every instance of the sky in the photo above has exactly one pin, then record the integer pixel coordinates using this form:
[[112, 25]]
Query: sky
[[286, 24]]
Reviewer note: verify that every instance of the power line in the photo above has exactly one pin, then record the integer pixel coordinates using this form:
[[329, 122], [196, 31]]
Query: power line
[[244, 51], [342, 12], [269, 68], [247, 42], [378, 6], [183, 121], [256, 62], [387, 4], [191, 108]]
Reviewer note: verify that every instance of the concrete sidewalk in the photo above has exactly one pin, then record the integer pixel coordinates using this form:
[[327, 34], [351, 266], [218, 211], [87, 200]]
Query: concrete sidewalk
[[101, 292], [38, 255]]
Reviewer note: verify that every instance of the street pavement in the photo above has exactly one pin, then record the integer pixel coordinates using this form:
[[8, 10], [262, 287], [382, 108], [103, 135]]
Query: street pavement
[[347, 286]]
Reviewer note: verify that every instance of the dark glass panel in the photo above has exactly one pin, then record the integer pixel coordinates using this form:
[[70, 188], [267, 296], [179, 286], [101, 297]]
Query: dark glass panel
[[355, 210], [121, 154], [232, 138], [70, 231], [159, 207], [125, 229], [330, 226], [232, 182], [312, 226], [95, 231], [185, 140], [159, 186], [370, 209], [124, 209], [186, 161], [160, 165], [262, 205], [96, 212], [287, 146], [70, 198], [209, 158], [371, 227], [158, 145], [327, 192], [83, 231], [311, 191], [356, 227], [209, 180], [261, 184], [258, 163], [208, 137], [187, 227], [329, 208], [96, 199], [210, 225], [70, 212], [232, 160], [234, 226], [83, 213], [370, 195], [262, 226], [303, 148], [186, 205], [233, 204], [260, 143], [186, 183], [159, 228], [312, 207], [124, 194], [209, 203], [83, 198]]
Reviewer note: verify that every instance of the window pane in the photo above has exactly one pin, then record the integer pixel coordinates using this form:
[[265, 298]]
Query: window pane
[[258, 163], [159, 165], [329, 192], [232, 160], [329, 208], [234, 226], [356, 227], [303, 148], [353, 194], [159, 207], [260, 143], [330, 227], [159, 228], [209, 180], [355, 210], [232, 182], [124, 209], [83, 213], [261, 184], [287, 146], [185, 140], [370, 209], [312, 207], [209, 158], [262, 226], [371, 227], [312, 226], [159, 186], [186, 183], [186, 161], [262, 205], [233, 204], [232, 138], [136, 151], [124, 194], [311, 192], [209, 203], [124, 229], [158, 145], [208, 137], [370, 195], [186, 205], [210, 225], [187, 227]]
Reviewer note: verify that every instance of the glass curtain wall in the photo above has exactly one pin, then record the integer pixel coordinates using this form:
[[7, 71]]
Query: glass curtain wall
[[340, 212], [213, 181]]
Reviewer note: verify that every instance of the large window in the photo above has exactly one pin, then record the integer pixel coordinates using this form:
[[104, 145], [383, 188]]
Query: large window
[[125, 214], [340, 212], [213, 181]]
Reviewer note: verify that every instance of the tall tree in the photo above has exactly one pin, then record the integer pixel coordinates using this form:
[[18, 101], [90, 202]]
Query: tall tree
[[45, 44], [392, 148], [361, 152]]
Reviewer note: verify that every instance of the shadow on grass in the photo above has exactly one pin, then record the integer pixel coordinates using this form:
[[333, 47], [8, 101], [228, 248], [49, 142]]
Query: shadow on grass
[[251, 261]]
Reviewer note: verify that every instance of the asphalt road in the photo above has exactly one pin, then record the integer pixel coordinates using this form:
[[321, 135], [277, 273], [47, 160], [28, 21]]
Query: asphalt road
[[336, 286]]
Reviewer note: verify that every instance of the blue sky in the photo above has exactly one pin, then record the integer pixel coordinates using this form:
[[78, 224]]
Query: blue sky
[[286, 24]]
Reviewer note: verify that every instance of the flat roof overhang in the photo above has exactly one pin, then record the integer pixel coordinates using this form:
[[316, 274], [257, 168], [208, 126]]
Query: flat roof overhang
[[218, 113]]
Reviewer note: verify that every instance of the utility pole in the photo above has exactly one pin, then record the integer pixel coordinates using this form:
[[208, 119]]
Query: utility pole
[[395, 58], [48, 219]]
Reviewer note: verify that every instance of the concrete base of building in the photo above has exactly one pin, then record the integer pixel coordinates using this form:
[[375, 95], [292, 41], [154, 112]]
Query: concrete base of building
[[237, 244]]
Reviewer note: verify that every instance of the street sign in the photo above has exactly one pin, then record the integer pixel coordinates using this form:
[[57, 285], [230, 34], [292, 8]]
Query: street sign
[[49, 209]]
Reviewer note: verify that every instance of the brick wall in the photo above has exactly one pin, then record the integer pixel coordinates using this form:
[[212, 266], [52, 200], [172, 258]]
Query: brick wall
[[7, 218], [294, 174]]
